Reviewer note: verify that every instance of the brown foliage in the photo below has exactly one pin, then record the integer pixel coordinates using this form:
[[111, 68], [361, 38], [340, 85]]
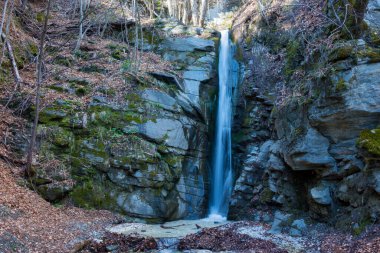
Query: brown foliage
[[216, 239]]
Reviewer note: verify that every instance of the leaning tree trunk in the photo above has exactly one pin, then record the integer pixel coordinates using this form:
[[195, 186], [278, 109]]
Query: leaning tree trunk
[[3, 16], [12, 59], [202, 16]]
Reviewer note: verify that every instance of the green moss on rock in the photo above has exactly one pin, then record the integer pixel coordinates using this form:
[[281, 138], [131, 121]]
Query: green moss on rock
[[79, 81], [81, 91], [32, 49], [82, 55], [106, 116], [172, 161], [92, 194], [93, 69], [53, 192], [58, 113], [359, 228], [341, 85], [62, 137], [375, 38], [118, 54], [370, 140], [293, 57], [40, 16], [341, 51], [64, 61], [51, 114], [371, 54], [266, 195]]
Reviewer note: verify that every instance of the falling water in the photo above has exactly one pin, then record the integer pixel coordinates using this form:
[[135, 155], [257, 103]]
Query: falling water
[[221, 184]]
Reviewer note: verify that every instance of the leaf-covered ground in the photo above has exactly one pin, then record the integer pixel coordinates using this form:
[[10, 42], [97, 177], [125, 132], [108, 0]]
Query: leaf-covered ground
[[30, 224]]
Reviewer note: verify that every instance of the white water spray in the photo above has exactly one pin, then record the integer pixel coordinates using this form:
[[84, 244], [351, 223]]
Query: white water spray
[[221, 184]]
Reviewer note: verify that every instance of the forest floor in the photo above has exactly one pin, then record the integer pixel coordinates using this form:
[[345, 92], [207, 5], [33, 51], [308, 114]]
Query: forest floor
[[28, 223], [233, 236]]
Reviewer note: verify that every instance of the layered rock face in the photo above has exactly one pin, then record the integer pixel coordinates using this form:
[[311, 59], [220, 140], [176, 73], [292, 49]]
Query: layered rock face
[[315, 153], [145, 156]]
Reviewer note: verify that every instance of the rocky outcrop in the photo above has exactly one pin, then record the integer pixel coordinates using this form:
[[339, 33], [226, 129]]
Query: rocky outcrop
[[145, 156], [316, 155]]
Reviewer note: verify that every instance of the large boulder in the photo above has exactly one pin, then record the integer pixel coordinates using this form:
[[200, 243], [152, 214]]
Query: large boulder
[[321, 195], [357, 108], [145, 156], [309, 152]]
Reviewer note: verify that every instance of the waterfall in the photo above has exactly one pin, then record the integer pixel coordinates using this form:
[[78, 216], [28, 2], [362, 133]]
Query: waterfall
[[221, 175]]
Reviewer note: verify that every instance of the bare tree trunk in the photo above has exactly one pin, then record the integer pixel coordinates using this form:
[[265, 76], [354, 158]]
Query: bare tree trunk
[[29, 171], [179, 10], [186, 12], [170, 8], [8, 46], [7, 27], [136, 43], [80, 36], [84, 5], [3, 16], [194, 11], [142, 41], [152, 13], [134, 8], [125, 22], [203, 13], [12, 59]]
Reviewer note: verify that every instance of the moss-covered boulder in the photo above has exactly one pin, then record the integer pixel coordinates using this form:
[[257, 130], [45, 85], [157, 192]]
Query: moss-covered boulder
[[143, 156]]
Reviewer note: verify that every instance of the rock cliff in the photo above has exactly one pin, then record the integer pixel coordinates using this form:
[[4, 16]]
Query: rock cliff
[[306, 127], [144, 155]]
